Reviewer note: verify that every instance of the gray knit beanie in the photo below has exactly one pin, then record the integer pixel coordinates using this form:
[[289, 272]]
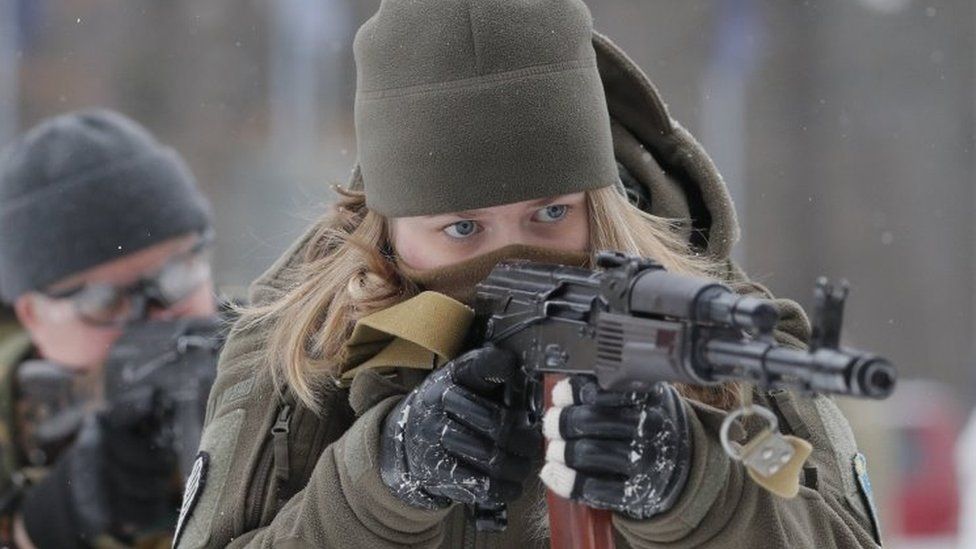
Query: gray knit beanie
[[85, 188], [464, 104]]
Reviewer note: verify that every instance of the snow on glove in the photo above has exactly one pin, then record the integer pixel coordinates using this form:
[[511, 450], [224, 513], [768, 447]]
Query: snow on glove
[[626, 452], [453, 440]]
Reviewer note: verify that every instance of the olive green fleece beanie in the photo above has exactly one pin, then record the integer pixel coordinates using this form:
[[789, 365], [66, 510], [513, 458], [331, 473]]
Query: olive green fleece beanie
[[465, 104]]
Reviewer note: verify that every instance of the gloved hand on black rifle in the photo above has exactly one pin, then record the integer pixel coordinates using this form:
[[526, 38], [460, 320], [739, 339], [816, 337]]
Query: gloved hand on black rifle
[[453, 440], [626, 452], [113, 481]]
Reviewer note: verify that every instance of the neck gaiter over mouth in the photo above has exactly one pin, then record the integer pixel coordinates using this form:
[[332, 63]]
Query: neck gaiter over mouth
[[458, 280]]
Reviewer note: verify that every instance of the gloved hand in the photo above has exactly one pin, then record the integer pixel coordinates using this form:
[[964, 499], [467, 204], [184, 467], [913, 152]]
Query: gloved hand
[[114, 481], [627, 452], [453, 440]]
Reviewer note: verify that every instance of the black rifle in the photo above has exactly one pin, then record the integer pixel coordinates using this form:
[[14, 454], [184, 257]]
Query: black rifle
[[158, 377], [632, 324]]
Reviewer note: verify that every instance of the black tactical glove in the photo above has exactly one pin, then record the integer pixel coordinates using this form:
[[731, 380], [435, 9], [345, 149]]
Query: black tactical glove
[[114, 481], [453, 440], [627, 452], [117, 479]]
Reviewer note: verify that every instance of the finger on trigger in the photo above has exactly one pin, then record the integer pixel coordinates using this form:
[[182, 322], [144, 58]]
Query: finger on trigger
[[483, 370]]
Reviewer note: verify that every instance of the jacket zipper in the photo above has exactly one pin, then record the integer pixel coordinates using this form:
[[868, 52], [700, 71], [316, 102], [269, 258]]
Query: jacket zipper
[[266, 466], [279, 441]]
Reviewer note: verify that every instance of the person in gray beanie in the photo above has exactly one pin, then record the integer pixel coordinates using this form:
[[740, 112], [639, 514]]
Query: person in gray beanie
[[84, 189], [102, 229]]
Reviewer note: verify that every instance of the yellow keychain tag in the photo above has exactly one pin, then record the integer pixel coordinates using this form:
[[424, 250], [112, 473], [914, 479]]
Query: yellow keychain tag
[[772, 459]]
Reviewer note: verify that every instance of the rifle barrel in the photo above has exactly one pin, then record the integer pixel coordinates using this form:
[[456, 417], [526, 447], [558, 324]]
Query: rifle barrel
[[823, 370]]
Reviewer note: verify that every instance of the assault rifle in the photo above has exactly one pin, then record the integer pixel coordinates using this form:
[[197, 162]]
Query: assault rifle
[[632, 324], [158, 376]]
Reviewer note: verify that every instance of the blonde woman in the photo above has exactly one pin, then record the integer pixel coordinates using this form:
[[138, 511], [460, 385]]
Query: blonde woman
[[492, 129]]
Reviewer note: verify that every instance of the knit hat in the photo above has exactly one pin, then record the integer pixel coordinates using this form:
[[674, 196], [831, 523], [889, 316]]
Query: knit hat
[[476, 103], [85, 188]]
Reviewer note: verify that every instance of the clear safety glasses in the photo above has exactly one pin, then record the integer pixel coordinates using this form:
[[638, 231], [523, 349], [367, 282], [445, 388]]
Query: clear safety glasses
[[109, 305]]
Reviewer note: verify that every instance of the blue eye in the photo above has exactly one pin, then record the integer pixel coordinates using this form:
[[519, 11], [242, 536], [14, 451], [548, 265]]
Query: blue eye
[[551, 213], [462, 229]]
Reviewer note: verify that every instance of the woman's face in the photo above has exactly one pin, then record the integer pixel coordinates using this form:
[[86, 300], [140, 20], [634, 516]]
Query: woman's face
[[431, 241]]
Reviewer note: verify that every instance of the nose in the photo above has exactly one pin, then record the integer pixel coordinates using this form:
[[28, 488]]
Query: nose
[[514, 232]]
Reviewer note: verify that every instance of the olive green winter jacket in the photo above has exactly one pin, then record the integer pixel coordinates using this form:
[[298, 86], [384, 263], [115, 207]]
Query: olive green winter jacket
[[15, 345]]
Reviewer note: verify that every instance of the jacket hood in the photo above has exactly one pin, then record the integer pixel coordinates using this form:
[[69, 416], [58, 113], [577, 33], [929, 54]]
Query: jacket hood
[[662, 156]]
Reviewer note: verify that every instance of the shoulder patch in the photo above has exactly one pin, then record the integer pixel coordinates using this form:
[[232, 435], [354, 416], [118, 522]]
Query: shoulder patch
[[860, 464], [191, 493], [219, 441], [235, 392]]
